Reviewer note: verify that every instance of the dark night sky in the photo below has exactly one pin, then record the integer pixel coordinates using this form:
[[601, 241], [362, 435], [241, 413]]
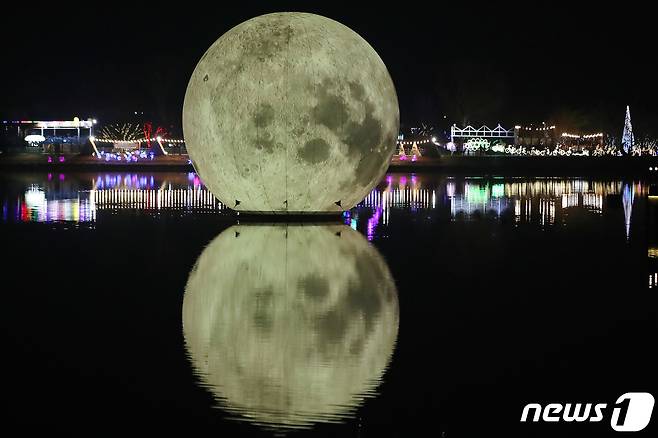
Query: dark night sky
[[515, 65]]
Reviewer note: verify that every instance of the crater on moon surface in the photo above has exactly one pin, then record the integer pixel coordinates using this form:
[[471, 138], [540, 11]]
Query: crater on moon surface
[[301, 100], [290, 325]]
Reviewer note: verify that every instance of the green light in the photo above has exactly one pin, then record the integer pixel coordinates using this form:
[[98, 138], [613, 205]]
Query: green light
[[498, 190], [476, 193]]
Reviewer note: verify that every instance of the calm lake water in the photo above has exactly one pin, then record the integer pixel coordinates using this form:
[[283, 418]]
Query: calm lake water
[[440, 304]]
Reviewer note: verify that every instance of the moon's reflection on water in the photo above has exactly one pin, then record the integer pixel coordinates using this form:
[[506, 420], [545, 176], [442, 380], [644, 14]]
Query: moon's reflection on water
[[290, 325]]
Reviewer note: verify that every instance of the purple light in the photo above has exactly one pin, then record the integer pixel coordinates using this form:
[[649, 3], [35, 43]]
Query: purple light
[[61, 159], [413, 158], [389, 179], [372, 223], [403, 181], [50, 159], [403, 157], [50, 177], [61, 177]]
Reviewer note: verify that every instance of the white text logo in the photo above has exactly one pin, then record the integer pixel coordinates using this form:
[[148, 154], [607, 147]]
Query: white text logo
[[631, 412]]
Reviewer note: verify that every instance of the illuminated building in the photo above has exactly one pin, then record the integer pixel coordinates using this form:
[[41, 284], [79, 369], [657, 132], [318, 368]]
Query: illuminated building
[[54, 136]]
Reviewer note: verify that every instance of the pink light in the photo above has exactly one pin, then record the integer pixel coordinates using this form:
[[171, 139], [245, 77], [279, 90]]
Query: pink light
[[61, 159], [413, 158], [403, 157], [50, 159], [403, 181]]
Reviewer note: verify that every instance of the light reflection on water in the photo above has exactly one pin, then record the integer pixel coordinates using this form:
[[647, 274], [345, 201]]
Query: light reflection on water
[[84, 199], [78, 198], [285, 337]]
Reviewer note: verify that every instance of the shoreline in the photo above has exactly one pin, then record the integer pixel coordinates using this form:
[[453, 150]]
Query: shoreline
[[532, 166], [646, 166], [77, 162]]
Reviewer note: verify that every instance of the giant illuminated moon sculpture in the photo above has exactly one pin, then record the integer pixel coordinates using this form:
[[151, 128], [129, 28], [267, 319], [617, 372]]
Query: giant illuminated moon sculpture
[[290, 113], [290, 325]]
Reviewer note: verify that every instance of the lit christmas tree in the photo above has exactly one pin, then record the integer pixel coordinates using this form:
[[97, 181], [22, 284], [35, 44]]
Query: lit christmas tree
[[627, 139]]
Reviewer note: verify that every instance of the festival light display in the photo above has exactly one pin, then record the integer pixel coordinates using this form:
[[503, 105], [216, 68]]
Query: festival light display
[[122, 133], [627, 139]]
